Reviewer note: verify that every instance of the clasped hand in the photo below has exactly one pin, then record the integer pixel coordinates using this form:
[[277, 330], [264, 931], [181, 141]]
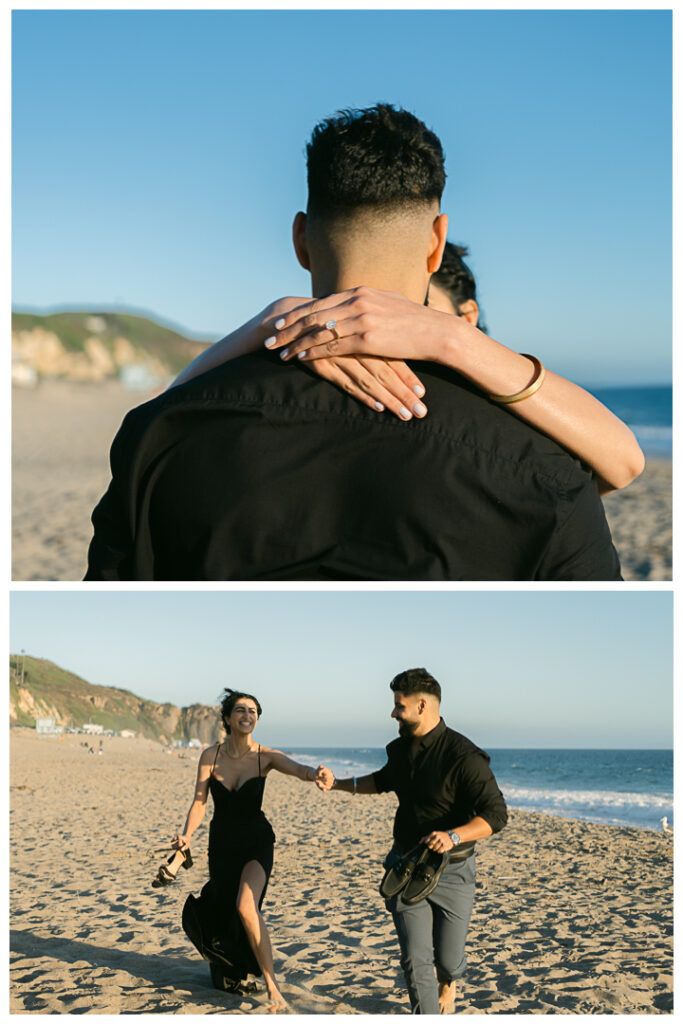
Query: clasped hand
[[324, 778], [377, 331]]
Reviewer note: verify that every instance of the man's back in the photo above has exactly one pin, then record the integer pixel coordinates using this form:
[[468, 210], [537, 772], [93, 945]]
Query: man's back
[[261, 471]]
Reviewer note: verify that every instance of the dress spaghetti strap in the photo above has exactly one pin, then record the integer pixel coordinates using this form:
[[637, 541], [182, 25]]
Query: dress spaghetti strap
[[259, 760], [218, 747]]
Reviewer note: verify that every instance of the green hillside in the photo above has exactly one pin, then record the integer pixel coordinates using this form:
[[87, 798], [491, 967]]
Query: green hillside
[[41, 689], [146, 336]]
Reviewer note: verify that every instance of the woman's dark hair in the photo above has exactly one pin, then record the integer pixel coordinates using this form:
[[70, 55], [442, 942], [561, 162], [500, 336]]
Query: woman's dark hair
[[454, 276], [415, 680], [228, 700], [456, 279], [381, 156]]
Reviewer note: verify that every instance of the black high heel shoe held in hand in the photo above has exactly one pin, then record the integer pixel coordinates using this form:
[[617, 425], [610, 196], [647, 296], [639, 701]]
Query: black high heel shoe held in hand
[[166, 877]]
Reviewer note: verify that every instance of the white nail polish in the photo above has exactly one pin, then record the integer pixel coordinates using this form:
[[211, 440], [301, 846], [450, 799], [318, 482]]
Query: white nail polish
[[300, 355], [269, 342], [280, 323], [419, 390], [284, 353], [404, 413], [419, 409], [379, 407]]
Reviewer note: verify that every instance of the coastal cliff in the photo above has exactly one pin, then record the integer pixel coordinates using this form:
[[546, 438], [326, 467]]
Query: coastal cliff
[[94, 347], [41, 689]]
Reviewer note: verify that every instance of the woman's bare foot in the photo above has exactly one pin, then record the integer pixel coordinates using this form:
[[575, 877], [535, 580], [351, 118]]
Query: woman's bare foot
[[446, 997], [173, 866], [276, 1001]]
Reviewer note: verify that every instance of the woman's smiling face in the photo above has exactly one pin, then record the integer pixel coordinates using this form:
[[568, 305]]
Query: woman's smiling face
[[243, 717]]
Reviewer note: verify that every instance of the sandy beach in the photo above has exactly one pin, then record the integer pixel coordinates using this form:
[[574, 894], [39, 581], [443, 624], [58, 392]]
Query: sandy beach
[[61, 438], [569, 917]]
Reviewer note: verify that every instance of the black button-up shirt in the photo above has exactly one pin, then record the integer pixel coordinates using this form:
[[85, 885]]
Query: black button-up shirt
[[446, 784], [259, 470]]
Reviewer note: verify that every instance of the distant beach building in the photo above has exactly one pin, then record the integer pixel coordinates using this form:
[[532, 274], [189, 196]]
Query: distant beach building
[[23, 375], [127, 734], [48, 727], [92, 728], [139, 378]]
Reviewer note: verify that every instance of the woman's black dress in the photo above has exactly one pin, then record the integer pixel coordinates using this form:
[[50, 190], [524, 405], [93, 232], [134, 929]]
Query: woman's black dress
[[239, 833]]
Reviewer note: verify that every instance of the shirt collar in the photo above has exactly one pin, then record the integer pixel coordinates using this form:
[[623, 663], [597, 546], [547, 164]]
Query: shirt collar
[[433, 735]]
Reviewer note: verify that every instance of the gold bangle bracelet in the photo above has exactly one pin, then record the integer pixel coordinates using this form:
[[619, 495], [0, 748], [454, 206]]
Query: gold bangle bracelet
[[539, 377]]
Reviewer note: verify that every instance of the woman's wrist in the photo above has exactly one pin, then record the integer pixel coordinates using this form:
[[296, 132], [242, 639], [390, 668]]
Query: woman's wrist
[[492, 367], [445, 344]]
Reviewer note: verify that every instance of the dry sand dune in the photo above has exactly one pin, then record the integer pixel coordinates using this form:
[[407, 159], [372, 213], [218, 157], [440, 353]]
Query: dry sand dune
[[61, 438], [569, 917]]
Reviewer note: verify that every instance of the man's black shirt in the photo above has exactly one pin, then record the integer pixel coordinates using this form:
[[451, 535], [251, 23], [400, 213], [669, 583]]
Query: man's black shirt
[[259, 470], [446, 784]]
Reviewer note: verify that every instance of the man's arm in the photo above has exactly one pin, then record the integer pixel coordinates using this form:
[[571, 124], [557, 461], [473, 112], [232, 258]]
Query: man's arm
[[581, 547], [365, 784], [378, 782], [441, 842], [111, 548], [483, 795]]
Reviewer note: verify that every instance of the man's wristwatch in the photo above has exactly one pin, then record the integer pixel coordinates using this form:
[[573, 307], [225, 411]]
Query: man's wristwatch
[[454, 838]]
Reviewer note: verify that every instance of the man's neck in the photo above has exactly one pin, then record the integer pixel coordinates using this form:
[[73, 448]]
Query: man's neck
[[333, 279]]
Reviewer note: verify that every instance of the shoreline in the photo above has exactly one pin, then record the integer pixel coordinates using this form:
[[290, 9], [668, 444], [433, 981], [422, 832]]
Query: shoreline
[[569, 916]]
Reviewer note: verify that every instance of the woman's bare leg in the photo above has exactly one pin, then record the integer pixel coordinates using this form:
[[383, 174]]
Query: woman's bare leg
[[252, 883]]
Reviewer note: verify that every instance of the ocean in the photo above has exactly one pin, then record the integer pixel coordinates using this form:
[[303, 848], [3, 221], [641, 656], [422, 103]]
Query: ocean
[[648, 412], [610, 787]]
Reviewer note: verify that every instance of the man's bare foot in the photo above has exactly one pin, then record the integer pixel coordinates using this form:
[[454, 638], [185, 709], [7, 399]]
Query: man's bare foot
[[446, 997]]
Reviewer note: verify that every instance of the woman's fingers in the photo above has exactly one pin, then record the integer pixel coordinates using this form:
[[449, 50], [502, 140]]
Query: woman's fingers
[[350, 337], [307, 320], [332, 371], [403, 371], [374, 383], [384, 374]]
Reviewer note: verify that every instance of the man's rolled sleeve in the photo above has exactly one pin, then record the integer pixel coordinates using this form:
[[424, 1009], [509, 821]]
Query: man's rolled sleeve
[[484, 795]]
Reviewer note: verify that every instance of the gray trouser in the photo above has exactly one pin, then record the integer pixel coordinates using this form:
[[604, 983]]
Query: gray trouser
[[432, 934]]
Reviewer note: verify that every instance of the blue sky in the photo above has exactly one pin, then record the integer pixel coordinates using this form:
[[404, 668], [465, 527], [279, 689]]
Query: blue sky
[[158, 160], [552, 669]]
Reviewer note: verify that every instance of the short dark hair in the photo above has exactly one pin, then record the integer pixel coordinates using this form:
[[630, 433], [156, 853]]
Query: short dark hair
[[382, 156], [228, 700], [415, 680], [455, 278]]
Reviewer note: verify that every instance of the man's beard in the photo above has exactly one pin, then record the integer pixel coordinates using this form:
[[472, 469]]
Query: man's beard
[[406, 728]]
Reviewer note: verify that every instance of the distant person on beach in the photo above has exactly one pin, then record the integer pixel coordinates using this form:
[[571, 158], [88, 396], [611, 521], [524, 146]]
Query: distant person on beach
[[226, 923], [260, 470], [448, 798]]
